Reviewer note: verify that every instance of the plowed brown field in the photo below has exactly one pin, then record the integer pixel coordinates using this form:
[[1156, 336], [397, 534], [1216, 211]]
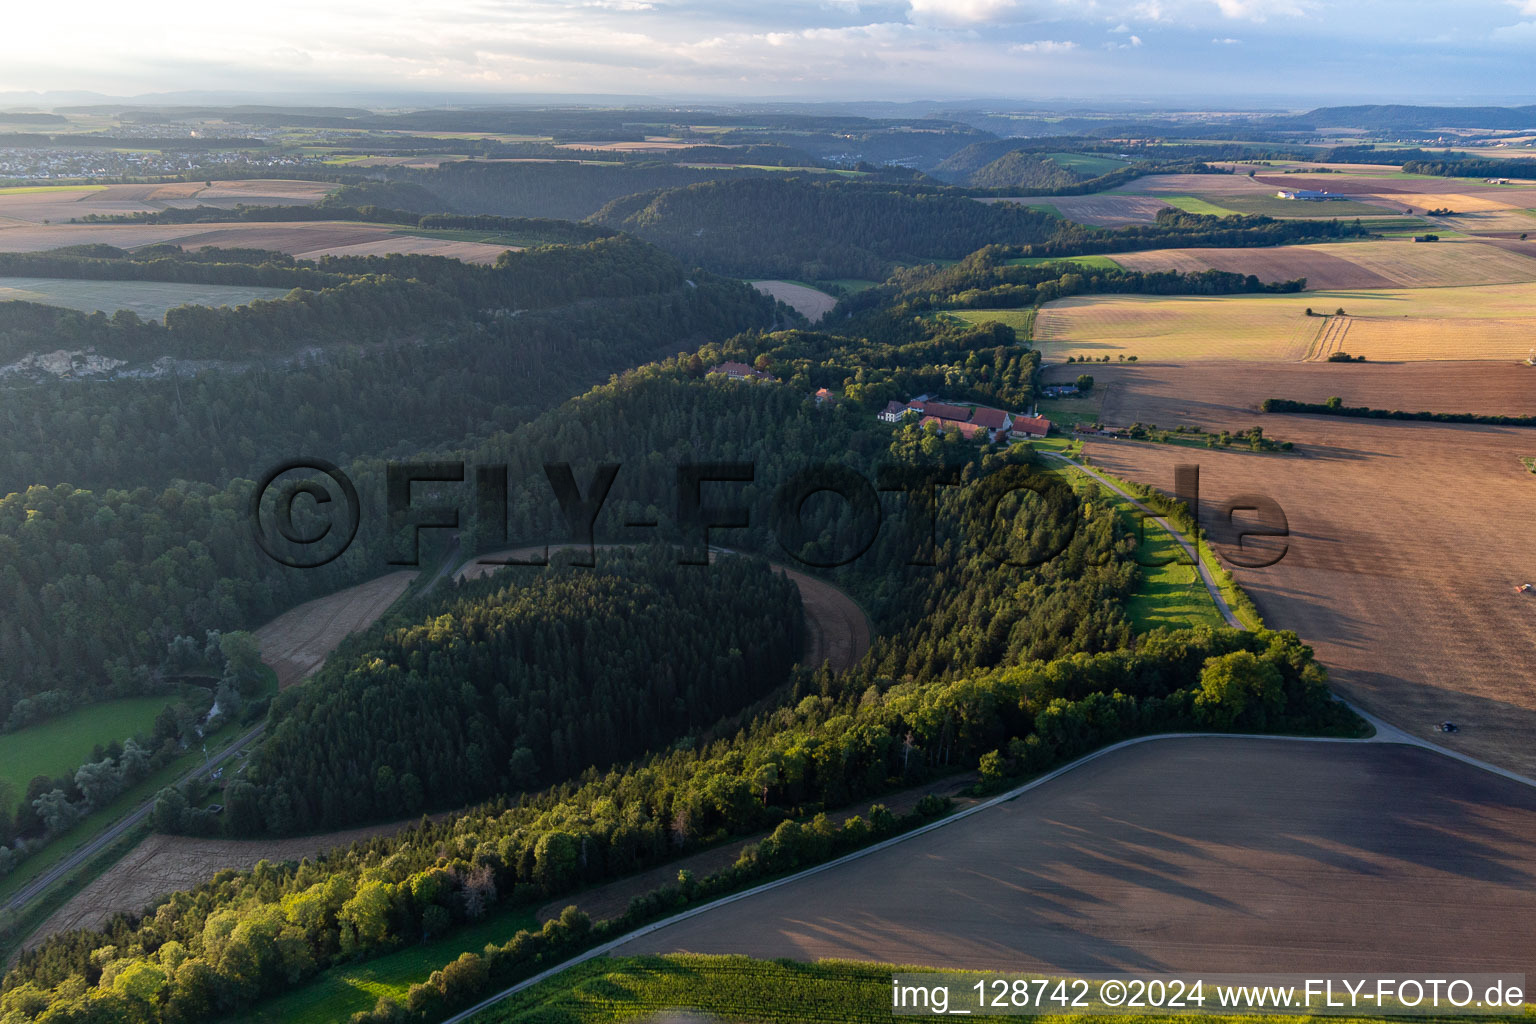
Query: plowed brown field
[[161, 865], [1181, 855], [1407, 538], [1386, 264], [296, 643]]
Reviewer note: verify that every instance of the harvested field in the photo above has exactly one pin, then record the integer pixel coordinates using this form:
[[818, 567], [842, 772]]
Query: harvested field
[[469, 252], [1107, 209], [309, 239], [1181, 855], [809, 302], [1490, 222], [1173, 327], [1471, 322], [1407, 538], [1348, 265], [296, 643], [837, 630], [61, 206], [1317, 264], [161, 865], [149, 299]]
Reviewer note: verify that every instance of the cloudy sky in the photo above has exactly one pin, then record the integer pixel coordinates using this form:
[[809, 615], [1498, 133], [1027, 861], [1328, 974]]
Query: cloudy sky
[[1226, 50]]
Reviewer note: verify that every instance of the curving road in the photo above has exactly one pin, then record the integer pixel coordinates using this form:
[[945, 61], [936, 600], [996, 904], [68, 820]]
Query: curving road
[[107, 837]]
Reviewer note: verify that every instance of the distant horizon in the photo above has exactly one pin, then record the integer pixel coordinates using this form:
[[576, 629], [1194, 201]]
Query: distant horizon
[[22, 101], [1208, 54]]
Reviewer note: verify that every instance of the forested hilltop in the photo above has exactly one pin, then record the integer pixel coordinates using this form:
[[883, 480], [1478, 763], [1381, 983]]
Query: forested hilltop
[[1012, 653], [148, 538], [518, 682]]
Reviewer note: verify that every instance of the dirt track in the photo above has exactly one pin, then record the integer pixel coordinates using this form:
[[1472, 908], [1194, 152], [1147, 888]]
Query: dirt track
[[296, 643], [1197, 854], [1407, 538], [836, 630]]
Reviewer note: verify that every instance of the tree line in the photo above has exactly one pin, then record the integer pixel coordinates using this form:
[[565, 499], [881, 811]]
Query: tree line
[[221, 947], [1335, 407], [813, 229]]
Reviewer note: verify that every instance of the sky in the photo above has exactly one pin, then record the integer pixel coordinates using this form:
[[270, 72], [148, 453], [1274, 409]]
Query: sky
[[1198, 51]]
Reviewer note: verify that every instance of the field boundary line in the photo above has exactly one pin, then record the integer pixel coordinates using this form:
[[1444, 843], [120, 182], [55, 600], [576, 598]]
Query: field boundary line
[[1205, 573]]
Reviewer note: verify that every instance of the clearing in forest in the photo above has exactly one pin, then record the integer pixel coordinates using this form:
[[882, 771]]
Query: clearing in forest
[[811, 303]]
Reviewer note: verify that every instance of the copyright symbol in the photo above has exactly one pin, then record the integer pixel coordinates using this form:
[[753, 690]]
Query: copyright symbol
[[320, 534], [1112, 993]]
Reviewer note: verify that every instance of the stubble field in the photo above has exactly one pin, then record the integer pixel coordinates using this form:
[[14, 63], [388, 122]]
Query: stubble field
[[1351, 265], [62, 204], [811, 303], [1472, 322], [1407, 539], [149, 299], [296, 643]]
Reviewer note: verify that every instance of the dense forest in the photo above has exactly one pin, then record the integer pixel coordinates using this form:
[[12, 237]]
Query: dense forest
[[1002, 163], [359, 299], [517, 682], [95, 582], [564, 190], [808, 229]]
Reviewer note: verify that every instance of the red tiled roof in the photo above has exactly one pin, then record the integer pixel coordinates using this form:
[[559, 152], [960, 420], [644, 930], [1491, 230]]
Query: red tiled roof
[[1032, 425], [958, 413], [992, 419], [945, 425]]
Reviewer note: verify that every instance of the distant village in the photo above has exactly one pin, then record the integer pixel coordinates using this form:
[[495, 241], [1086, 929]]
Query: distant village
[[969, 421]]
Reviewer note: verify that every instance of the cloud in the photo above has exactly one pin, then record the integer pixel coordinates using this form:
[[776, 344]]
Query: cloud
[[1228, 41], [1043, 46], [1523, 32], [964, 12]]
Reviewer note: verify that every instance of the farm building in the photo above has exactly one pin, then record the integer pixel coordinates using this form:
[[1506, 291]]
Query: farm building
[[741, 371], [941, 410], [1308, 193], [1059, 391], [1030, 426], [971, 421], [967, 430]]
